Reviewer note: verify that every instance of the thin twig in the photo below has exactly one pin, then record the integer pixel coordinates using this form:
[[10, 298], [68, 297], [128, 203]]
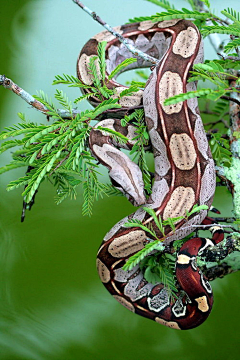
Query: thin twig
[[209, 226], [234, 58], [220, 254], [59, 164], [123, 40], [16, 89], [10, 85], [224, 219]]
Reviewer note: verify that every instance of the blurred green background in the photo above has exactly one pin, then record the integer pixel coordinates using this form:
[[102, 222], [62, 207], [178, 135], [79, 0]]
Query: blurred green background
[[52, 304]]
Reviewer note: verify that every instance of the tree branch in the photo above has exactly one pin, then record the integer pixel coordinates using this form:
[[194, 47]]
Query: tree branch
[[224, 258], [123, 40], [10, 85]]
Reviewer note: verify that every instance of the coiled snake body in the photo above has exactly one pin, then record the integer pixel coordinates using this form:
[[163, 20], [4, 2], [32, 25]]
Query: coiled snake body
[[184, 170]]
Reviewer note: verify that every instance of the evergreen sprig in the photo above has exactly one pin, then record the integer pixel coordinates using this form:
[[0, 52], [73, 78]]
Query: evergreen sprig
[[49, 148], [59, 151]]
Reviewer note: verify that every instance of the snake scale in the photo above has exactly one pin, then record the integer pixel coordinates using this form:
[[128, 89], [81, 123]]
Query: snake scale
[[184, 170]]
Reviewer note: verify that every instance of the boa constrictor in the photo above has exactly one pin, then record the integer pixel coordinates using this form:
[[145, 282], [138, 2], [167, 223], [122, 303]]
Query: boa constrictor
[[184, 170]]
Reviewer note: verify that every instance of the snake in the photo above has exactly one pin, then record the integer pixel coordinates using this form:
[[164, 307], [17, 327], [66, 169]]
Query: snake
[[184, 174]]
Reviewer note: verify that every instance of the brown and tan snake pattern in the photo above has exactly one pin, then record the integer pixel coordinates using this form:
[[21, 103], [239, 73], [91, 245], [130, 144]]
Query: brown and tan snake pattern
[[184, 170]]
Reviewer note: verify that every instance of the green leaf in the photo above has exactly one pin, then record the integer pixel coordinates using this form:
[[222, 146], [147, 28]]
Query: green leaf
[[83, 97], [221, 108], [143, 74], [214, 96], [138, 149], [128, 91], [52, 110], [101, 58], [105, 105], [211, 66], [230, 30], [11, 166], [15, 132], [236, 134], [231, 14], [232, 45], [138, 84], [136, 223], [151, 276], [70, 80], [196, 208], [160, 268], [207, 3], [212, 71], [191, 94], [22, 181], [157, 220], [110, 190], [10, 144], [22, 117], [219, 148], [94, 71], [38, 174], [63, 100], [120, 137], [107, 93], [140, 255], [88, 197], [180, 14], [121, 67], [42, 132]]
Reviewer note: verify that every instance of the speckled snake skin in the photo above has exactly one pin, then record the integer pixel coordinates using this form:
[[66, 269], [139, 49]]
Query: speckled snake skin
[[184, 170]]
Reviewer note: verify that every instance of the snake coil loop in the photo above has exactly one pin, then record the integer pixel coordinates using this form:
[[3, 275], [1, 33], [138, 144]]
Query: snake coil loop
[[184, 170]]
